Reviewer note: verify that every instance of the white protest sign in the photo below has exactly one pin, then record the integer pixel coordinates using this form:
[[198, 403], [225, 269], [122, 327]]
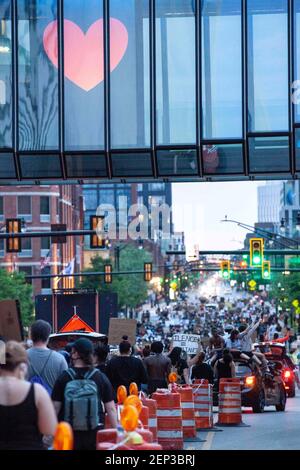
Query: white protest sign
[[188, 343]]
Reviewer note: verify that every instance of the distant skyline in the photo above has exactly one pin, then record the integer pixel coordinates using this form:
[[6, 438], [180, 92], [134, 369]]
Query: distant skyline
[[198, 209]]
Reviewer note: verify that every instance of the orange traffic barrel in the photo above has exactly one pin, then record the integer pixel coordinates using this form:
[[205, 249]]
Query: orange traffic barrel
[[152, 419], [230, 402], [120, 446], [169, 419], [144, 416], [203, 403], [188, 412], [113, 435]]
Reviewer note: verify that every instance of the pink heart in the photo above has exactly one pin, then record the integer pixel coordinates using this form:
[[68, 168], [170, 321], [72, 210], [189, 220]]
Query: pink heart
[[84, 62]]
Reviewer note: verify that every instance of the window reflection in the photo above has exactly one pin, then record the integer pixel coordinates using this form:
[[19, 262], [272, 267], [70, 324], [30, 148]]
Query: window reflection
[[38, 78], [222, 68], [5, 75], [175, 72], [268, 88]]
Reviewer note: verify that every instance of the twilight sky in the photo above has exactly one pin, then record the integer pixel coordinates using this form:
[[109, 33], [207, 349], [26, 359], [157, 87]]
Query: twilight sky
[[199, 207]]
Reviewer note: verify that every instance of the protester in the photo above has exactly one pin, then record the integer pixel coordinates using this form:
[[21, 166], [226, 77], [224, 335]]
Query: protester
[[125, 369], [201, 370], [79, 395], [26, 410], [158, 367], [224, 368], [179, 365], [45, 365], [101, 352]]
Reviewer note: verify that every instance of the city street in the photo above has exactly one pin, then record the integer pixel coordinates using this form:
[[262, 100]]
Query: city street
[[270, 430]]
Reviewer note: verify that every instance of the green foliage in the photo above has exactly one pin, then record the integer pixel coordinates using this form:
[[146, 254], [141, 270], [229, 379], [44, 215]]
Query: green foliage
[[14, 287], [285, 289], [131, 288]]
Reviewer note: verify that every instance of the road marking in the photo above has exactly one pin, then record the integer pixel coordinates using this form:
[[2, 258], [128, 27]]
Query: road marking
[[209, 440]]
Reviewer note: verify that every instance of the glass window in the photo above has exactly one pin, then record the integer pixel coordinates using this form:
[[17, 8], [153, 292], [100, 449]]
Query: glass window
[[156, 186], [269, 154], [90, 199], [177, 162], [268, 86], [84, 75], [222, 69], [38, 75], [7, 166], [45, 243], [130, 74], [107, 196], [86, 166], [25, 244], [46, 283], [223, 159], [5, 75], [296, 95], [297, 148], [1, 248], [45, 205], [175, 72], [137, 164], [24, 205], [40, 166], [27, 270]]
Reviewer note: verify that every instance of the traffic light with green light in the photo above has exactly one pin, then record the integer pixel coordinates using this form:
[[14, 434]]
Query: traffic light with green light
[[266, 270], [225, 269], [256, 252]]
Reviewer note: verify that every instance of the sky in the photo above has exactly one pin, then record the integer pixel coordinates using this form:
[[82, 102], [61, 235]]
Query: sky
[[198, 209]]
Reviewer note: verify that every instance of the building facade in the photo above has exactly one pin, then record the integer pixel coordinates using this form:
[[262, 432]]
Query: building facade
[[39, 207], [188, 90]]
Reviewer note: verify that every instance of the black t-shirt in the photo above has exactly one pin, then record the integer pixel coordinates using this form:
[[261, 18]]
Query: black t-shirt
[[102, 382], [180, 366], [122, 370], [203, 371]]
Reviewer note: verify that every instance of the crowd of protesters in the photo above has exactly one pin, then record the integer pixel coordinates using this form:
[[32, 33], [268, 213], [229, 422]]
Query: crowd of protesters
[[40, 387]]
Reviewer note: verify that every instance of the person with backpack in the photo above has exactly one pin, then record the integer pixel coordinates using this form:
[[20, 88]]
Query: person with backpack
[[82, 394], [45, 365]]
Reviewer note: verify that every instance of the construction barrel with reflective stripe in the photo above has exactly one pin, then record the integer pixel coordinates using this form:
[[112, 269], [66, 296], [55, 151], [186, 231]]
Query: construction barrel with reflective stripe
[[203, 403], [144, 416], [188, 411], [230, 408], [169, 419], [152, 421]]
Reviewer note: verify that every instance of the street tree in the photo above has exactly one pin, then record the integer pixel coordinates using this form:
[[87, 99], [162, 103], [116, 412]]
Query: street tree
[[14, 287]]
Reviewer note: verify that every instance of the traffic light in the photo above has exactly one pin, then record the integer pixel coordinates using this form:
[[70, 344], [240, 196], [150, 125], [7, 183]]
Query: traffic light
[[256, 252], [13, 245], [225, 268], [147, 272], [97, 240], [266, 270], [108, 274]]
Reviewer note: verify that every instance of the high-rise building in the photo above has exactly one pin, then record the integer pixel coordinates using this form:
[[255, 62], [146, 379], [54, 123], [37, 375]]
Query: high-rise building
[[40, 207], [269, 202]]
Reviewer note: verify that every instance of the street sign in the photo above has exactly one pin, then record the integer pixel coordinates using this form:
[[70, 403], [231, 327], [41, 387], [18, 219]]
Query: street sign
[[252, 283]]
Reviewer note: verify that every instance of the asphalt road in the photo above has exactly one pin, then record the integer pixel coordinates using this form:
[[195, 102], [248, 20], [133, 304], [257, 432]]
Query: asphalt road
[[271, 430]]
